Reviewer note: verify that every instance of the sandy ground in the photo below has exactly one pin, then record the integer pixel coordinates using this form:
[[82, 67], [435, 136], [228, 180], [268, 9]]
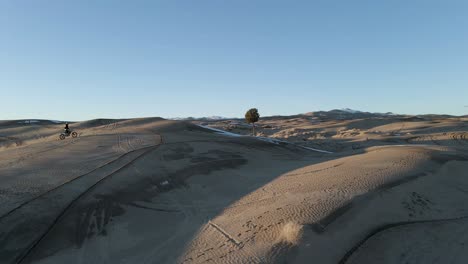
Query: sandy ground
[[394, 190], [341, 131]]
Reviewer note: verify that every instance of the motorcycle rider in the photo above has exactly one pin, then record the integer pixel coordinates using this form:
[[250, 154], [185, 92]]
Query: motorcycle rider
[[67, 129]]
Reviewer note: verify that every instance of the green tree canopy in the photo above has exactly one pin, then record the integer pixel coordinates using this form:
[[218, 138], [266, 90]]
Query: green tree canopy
[[252, 115]]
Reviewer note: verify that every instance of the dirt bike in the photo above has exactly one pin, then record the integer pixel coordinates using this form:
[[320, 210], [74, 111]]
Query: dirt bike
[[67, 134]]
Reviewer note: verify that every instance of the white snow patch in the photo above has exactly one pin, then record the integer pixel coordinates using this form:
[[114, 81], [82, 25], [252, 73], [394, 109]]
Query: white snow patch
[[270, 140], [276, 141], [164, 183], [215, 117], [318, 150], [352, 111], [219, 131], [28, 121], [56, 121]]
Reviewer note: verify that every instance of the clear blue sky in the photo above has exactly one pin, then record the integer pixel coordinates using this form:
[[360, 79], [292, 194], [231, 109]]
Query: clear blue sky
[[76, 60]]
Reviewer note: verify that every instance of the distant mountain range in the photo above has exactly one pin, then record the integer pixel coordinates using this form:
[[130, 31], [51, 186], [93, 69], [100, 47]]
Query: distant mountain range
[[343, 111]]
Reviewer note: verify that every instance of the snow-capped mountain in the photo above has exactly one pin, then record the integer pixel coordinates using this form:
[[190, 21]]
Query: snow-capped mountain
[[351, 111]]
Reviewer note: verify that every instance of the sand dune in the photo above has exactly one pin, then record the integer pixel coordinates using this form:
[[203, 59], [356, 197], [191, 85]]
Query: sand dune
[[339, 131], [151, 190]]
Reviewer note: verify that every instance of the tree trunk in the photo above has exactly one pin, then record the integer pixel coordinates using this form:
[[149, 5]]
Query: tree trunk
[[253, 129]]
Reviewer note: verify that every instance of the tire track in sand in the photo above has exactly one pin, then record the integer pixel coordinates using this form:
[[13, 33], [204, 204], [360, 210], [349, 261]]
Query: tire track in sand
[[384, 228], [72, 180], [33, 245]]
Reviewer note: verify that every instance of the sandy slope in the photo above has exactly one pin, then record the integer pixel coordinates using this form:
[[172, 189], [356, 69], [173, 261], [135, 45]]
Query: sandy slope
[[309, 197], [157, 191]]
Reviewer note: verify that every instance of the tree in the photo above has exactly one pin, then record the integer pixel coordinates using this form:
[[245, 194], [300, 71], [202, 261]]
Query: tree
[[251, 117]]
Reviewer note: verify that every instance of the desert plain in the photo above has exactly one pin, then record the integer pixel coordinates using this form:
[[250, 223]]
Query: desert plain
[[334, 186]]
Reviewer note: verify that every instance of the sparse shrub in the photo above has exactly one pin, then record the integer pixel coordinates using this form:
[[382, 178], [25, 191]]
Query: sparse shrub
[[291, 233]]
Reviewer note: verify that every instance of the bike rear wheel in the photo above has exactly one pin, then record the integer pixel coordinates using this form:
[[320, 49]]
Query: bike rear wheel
[[62, 136]]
